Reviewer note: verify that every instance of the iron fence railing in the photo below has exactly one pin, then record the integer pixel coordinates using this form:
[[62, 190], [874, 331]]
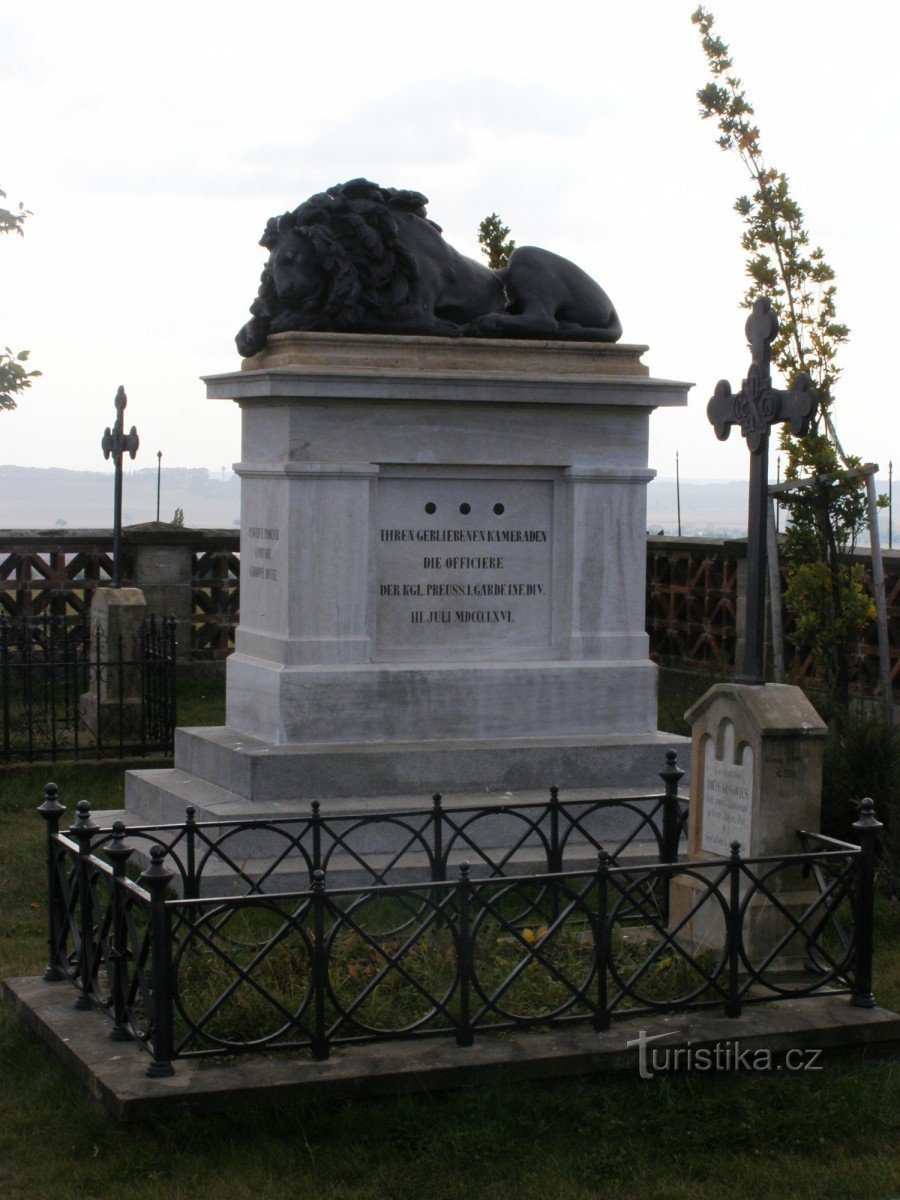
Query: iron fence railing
[[67, 692], [464, 950]]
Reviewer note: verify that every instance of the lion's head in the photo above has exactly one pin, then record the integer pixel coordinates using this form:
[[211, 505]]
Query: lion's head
[[336, 262]]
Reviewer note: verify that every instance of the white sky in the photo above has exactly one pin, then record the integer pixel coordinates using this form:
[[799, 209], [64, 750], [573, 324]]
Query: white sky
[[152, 142]]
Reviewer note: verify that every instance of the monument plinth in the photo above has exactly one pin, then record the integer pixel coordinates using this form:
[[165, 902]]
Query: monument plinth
[[442, 569]]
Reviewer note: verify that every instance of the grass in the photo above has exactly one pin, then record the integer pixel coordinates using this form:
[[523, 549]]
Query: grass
[[387, 965], [201, 694], [723, 1137], [200, 701]]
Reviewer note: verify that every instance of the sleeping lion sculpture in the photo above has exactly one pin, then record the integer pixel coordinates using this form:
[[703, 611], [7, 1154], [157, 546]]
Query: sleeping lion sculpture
[[359, 258]]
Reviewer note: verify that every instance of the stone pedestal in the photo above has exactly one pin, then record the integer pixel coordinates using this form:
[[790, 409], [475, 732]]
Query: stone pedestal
[[756, 779], [442, 568], [117, 618], [163, 569]]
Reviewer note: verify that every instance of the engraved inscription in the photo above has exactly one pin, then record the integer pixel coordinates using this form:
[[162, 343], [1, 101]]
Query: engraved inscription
[[262, 553], [727, 796], [463, 567], [782, 763]]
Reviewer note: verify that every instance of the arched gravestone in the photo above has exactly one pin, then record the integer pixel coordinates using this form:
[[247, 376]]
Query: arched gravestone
[[756, 779], [442, 568]]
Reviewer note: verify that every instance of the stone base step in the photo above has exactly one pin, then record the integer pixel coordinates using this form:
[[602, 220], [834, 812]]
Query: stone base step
[[263, 771]]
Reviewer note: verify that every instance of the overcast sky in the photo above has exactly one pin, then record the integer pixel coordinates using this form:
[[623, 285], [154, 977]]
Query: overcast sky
[[152, 142]]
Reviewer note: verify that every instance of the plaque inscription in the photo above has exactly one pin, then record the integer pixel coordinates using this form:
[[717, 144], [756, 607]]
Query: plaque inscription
[[262, 553], [727, 797], [463, 567]]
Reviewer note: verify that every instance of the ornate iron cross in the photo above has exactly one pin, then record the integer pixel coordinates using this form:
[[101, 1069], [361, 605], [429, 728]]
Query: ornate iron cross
[[756, 408], [117, 442]]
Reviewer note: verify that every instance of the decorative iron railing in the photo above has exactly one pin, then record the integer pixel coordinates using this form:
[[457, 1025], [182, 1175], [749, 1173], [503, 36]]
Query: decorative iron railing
[[66, 692], [462, 951]]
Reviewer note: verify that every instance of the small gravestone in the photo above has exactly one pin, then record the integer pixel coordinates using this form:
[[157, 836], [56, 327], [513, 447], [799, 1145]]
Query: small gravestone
[[756, 779], [756, 763], [112, 705]]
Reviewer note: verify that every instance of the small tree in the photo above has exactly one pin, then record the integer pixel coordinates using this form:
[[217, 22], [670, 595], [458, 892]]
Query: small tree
[[14, 377], [824, 589], [495, 242]]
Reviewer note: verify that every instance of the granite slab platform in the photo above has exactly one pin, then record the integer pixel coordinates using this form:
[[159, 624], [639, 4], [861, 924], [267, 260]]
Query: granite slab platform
[[112, 1073]]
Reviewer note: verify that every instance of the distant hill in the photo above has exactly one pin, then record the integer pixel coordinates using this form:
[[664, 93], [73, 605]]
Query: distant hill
[[714, 509], [45, 497], [718, 509]]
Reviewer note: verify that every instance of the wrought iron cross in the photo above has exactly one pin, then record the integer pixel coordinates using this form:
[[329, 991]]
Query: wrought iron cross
[[116, 442], [756, 408]]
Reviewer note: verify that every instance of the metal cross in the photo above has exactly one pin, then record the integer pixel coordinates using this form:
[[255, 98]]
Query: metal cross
[[116, 442], [756, 408]]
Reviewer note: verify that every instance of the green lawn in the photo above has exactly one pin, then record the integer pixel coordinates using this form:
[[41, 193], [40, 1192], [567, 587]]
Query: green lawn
[[829, 1134]]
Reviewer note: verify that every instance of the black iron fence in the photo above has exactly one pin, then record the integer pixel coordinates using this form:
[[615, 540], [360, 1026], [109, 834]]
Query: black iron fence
[[504, 943], [66, 691]]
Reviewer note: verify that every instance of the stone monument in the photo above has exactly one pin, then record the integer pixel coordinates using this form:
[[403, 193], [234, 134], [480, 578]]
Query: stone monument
[[443, 536]]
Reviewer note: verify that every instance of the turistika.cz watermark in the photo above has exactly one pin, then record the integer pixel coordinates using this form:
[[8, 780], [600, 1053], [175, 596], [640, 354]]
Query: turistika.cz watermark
[[654, 1059]]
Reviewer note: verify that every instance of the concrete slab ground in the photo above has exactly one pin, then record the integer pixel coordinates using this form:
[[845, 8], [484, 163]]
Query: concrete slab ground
[[113, 1072]]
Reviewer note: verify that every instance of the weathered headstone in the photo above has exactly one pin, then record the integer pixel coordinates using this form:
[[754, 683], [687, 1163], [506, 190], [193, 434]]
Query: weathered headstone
[[112, 705], [756, 779], [756, 769]]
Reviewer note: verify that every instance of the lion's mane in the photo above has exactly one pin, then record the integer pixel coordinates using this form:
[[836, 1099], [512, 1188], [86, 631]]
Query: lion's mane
[[353, 231]]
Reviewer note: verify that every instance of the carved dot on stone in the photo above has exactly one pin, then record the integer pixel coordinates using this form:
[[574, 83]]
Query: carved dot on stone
[[430, 507], [465, 509], [499, 509]]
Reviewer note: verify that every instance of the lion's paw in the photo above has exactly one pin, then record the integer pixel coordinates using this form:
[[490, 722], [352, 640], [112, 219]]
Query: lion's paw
[[446, 328], [490, 325]]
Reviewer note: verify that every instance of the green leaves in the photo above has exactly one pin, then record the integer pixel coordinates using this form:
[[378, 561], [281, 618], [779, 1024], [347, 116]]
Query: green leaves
[[495, 242], [824, 594], [13, 376]]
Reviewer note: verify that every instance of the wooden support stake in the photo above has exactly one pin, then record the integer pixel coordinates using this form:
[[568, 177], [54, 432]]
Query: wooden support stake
[[884, 649], [775, 595]]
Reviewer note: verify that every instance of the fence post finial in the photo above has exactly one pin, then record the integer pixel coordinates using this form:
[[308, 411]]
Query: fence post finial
[[156, 878], [51, 811], [866, 826]]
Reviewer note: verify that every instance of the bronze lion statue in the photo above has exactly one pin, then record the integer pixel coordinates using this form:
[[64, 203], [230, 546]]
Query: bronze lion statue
[[360, 258]]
